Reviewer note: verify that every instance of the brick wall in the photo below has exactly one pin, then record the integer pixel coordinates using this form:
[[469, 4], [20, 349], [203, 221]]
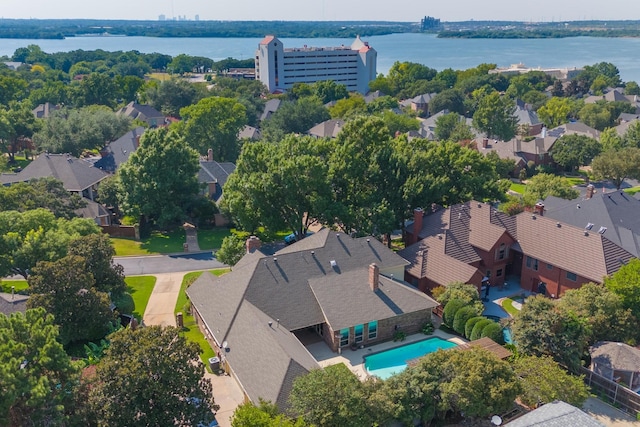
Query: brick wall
[[554, 277]]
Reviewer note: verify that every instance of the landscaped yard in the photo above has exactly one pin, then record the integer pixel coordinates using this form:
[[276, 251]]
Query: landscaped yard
[[157, 243], [575, 180], [19, 285], [140, 288], [507, 304], [518, 188], [190, 328], [212, 238]]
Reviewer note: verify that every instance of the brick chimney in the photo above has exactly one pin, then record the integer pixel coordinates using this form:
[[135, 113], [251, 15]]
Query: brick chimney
[[253, 243], [590, 191], [485, 142], [418, 213], [538, 209], [210, 155], [374, 277]]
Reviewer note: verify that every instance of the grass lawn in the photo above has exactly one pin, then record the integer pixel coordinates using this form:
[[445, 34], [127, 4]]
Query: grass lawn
[[507, 304], [518, 188], [20, 285], [575, 180], [157, 243], [212, 239], [160, 76], [190, 329], [632, 190], [140, 288]]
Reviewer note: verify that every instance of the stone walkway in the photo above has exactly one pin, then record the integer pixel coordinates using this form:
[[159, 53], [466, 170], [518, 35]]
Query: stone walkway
[[192, 240]]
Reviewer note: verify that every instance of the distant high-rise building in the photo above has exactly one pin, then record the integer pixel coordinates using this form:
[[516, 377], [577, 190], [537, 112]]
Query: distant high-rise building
[[279, 68], [197, 17], [162, 18]]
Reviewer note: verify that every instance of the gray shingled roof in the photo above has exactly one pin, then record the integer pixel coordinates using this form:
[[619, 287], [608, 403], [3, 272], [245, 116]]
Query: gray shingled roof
[[143, 112], [75, 174], [214, 172], [616, 355], [117, 152], [327, 129], [555, 414], [13, 303], [617, 211]]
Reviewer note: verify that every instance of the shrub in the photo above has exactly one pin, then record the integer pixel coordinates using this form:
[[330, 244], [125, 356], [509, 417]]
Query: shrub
[[476, 332], [468, 327], [457, 290], [451, 309], [462, 316], [399, 336], [427, 328], [493, 331], [123, 302]]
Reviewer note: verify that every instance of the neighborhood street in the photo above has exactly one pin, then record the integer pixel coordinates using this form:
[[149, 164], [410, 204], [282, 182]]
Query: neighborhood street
[[155, 264]]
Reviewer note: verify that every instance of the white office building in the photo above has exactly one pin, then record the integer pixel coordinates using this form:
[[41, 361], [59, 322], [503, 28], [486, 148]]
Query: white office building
[[279, 68]]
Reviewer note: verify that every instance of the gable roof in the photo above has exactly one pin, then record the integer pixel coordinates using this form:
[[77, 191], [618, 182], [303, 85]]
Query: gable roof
[[118, 152], [44, 110], [616, 211], [249, 132], [92, 210], [555, 414], [270, 107], [212, 172], [616, 355], [143, 112], [75, 174], [327, 129]]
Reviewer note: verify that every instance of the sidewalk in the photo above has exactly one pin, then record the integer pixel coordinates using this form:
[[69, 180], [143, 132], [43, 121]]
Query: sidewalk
[[192, 240]]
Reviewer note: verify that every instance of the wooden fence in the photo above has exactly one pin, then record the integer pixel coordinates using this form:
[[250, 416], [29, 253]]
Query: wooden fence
[[612, 392], [128, 231]]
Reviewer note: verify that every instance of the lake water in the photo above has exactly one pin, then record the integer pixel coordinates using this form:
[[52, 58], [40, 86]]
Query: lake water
[[425, 49]]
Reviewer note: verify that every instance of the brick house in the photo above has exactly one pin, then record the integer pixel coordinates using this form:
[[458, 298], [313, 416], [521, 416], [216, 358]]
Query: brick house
[[341, 290], [473, 242]]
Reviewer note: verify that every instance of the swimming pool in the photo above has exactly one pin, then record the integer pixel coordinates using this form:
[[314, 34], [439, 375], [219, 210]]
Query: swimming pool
[[390, 362]]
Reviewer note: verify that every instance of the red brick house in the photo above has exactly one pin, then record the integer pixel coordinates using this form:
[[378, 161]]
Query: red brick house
[[471, 242]]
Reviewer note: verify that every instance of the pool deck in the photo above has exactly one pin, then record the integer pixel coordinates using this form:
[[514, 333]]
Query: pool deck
[[493, 306], [354, 359]]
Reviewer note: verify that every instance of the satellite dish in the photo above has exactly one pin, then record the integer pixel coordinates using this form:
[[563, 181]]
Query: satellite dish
[[496, 420], [225, 345]]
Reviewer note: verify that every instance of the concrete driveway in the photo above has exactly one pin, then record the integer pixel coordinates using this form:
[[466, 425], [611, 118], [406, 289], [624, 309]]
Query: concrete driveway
[[162, 301]]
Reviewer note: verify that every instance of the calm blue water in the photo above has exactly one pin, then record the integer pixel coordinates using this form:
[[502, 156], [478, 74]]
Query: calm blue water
[[394, 361], [458, 54]]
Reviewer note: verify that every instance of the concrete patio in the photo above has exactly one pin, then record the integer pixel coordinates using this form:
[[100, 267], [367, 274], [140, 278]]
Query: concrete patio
[[493, 306]]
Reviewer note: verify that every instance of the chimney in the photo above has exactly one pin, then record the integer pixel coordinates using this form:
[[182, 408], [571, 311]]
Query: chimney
[[590, 191], [210, 155], [253, 243], [418, 213], [485, 142], [137, 141], [538, 209], [374, 276]]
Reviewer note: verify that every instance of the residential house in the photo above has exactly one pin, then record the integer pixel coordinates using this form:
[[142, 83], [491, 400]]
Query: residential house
[[144, 113], [118, 152], [327, 129], [337, 289], [13, 65], [270, 107], [43, 111], [419, 103], [617, 362], [614, 214], [473, 242], [249, 132], [372, 96], [527, 118], [213, 175], [77, 176], [625, 123], [12, 303], [95, 211], [557, 413]]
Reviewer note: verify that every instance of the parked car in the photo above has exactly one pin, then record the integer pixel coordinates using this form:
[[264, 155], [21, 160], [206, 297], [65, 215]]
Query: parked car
[[293, 237]]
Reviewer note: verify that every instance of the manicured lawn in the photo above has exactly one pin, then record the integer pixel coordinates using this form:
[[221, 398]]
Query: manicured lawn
[[507, 304], [160, 76], [518, 188], [190, 329], [575, 180], [140, 288], [20, 285], [158, 243], [212, 239], [632, 190]]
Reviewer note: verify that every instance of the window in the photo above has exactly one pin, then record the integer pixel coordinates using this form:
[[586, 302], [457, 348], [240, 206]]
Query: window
[[373, 330], [549, 267], [572, 276], [359, 333], [502, 251], [535, 264], [529, 259], [344, 337], [532, 263], [499, 272]]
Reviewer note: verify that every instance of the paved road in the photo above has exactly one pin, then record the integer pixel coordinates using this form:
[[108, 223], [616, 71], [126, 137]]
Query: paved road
[[155, 264]]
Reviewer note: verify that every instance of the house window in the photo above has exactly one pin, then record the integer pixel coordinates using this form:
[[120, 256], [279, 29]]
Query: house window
[[359, 333], [549, 267], [344, 337], [499, 272], [532, 263], [373, 330], [572, 276], [535, 264], [502, 251], [529, 261]]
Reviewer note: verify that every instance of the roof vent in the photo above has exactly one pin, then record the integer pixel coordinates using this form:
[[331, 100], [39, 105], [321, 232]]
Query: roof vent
[[337, 234], [333, 263], [313, 253], [602, 230], [558, 225], [275, 259], [533, 217], [586, 233], [578, 206], [368, 240], [589, 226], [270, 324]]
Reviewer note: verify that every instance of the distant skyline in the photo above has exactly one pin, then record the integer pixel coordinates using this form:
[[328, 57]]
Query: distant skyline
[[324, 10]]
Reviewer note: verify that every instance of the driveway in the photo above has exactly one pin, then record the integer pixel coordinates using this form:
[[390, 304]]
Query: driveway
[[155, 264], [162, 301]]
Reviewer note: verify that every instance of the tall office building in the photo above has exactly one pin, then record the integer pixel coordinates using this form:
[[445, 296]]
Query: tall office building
[[279, 68]]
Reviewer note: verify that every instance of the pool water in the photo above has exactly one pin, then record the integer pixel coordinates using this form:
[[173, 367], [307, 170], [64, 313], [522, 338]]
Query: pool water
[[393, 361]]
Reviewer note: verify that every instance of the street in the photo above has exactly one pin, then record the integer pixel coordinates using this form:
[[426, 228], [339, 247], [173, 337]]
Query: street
[[155, 264]]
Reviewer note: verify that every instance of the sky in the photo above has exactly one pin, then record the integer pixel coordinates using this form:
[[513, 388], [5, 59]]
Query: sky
[[325, 10]]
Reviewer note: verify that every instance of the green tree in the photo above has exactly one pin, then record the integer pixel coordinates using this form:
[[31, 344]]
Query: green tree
[[462, 316], [452, 127], [626, 284], [543, 381], [214, 123], [47, 193], [328, 90], [265, 414], [65, 289], [543, 185], [494, 116], [610, 140], [332, 396], [95, 89], [162, 367], [38, 378], [171, 96], [348, 107], [631, 88], [399, 123], [450, 310], [632, 135], [555, 112], [603, 312], [541, 328], [98, 252], [504, 167], [232, 250], [159, 180], [573, 151], [617, 166], [479, 327], [17, 126], [294, 117], [451, 100]]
